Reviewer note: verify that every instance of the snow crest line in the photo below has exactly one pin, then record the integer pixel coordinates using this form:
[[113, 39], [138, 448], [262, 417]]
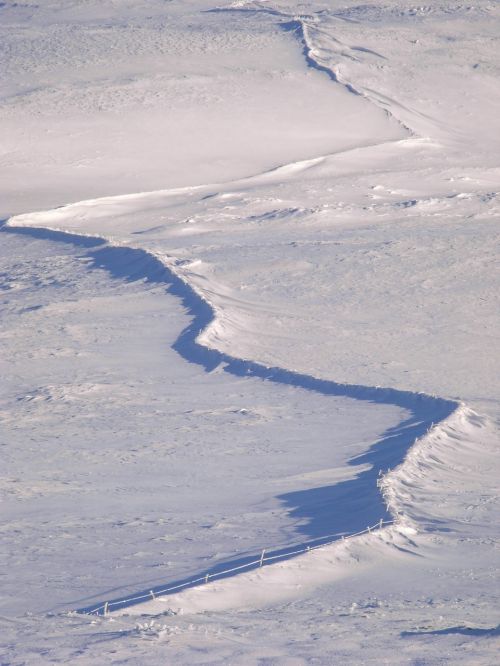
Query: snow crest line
[[298, 25], [407, 440], [301, 29], [120, 604]]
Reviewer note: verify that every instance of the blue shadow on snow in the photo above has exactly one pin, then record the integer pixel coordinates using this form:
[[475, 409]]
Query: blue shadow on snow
[[341, 509]]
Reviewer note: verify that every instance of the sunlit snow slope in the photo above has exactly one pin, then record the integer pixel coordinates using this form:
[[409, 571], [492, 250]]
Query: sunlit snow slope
[[330, 202]]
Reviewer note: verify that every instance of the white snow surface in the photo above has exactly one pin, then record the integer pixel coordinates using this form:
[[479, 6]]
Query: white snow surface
[[271, 315]]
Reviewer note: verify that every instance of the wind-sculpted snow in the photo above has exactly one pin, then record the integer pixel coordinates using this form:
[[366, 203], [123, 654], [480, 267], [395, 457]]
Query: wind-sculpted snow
[[323, 52], [436, 95], [358, 184], [153, 439], [364, 500], [298, 26], [302, 30]]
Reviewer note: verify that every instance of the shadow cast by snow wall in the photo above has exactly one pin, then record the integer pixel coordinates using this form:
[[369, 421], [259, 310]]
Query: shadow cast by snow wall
[[344, 508]]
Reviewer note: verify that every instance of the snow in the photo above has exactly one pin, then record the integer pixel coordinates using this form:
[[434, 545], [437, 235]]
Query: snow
[[270, 316]]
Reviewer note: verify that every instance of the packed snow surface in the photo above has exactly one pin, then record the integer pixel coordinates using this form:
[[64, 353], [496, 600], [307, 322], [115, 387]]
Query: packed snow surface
[[250, 300]]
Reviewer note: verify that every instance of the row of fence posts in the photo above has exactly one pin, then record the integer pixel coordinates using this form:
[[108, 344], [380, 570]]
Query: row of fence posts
[[260, 562]]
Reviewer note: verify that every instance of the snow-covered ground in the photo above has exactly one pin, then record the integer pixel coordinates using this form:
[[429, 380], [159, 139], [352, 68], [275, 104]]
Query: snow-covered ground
[[272, 316]]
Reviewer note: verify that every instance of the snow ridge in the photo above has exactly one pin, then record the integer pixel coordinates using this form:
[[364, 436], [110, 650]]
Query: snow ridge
[[302, 26], [314, 60], [405, 449]]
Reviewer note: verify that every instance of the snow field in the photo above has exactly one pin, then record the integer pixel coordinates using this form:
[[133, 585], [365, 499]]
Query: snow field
[[135, 447], [342, 238]]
